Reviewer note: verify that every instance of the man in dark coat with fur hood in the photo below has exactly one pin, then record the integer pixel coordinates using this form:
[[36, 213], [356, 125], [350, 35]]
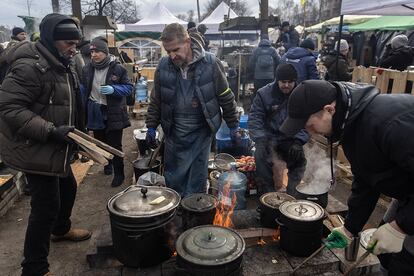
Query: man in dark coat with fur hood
[[39, 105]]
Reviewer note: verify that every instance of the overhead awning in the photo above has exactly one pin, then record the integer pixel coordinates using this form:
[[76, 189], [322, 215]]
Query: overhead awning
[[378, 7], [391, 23]]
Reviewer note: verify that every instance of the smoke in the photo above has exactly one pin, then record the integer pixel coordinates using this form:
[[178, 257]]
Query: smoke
[[317, 177]]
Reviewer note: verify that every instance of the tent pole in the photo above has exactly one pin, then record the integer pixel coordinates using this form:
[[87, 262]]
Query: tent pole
[[341, 23]]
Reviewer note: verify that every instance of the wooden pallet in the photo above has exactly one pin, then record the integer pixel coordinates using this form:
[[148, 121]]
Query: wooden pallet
[[386, 80]]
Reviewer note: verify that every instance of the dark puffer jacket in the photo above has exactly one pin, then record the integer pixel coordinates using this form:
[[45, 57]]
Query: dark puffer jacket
[[398, 59], [377, 140], [117, 77], [268, 112], [304, 62], [39, 92], [216, 98], [263, 62], [342, 74]]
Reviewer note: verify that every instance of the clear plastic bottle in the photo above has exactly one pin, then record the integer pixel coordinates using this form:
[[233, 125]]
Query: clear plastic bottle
[[141, 90]]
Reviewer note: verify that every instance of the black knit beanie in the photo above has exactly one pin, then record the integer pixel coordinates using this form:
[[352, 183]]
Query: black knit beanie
[[17, 30], [307, 44], [286, 72], [66, 30], [99, 44]]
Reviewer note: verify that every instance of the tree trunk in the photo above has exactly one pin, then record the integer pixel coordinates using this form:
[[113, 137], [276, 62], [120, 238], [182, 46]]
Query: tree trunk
[[55, 6], [76, 9], [264, 18]]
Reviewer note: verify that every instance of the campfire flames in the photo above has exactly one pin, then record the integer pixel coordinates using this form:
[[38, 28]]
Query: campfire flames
[[174, 254], [225, 208], [261, 241], [276, 235], [285, 178]]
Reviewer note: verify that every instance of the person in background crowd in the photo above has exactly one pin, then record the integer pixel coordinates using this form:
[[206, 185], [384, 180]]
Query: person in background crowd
[[18, 35], [191, 27], [263, 63], [190, 97], [398, 55], [39, 105], [268, 112], [106, 86], [202, 30], [289, 37], [338, 71], [375, 131], [303, 59], [79, 60]]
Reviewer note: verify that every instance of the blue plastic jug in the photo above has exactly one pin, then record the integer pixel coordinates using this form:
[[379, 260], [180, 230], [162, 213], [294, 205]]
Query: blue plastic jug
[[232, 184], [141, 90]]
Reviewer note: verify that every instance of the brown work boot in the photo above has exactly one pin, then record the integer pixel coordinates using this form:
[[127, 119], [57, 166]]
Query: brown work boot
[[73, 235]]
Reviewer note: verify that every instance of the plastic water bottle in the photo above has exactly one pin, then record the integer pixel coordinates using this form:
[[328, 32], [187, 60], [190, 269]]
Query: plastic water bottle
[[232, 187], [141, 90]]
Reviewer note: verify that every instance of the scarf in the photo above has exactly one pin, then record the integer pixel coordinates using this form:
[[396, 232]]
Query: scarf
[[104, 63]]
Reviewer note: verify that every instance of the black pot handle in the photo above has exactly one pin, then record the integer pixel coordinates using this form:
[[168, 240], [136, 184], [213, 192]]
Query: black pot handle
[[312, 198], [278, 222]]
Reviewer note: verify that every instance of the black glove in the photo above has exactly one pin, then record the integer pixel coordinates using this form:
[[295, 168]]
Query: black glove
[[60, 134], [295, 153]]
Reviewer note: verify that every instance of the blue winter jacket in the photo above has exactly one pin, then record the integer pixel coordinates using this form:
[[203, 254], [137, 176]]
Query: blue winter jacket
[[303, 61], [268, 112], [263, 62]]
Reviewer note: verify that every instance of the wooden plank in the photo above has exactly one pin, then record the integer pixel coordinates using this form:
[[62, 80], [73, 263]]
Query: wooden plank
[[80, 170], [399, 83], [148, 72], [383, 79], [99, 143], [88, 146]]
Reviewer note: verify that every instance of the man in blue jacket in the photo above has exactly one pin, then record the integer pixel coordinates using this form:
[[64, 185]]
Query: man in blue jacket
[[303, 60], [107, 85], [268, 112], [263, 63]]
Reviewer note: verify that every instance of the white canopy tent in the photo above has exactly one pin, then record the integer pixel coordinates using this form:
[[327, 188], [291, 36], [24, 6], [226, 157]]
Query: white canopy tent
[[216, 17], [156, 20], [378, 7]]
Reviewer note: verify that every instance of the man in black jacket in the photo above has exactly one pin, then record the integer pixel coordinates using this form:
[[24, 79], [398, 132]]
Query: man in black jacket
[[106, 85], [398, 55], [376, 133], [39, 105]]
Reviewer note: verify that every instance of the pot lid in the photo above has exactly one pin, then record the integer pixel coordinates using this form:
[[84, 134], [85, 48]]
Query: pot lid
[[302, 210], [210, 245], [274, 199], [366, 236], [144, 201], [199, 202]]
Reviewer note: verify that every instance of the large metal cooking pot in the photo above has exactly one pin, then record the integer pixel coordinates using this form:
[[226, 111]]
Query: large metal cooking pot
[[307, 192], [140, 216], [269, 207], [198, 209], [209, 250], [301, 226]]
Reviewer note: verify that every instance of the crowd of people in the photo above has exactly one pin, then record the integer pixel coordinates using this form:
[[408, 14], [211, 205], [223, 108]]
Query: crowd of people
[[60, 81]]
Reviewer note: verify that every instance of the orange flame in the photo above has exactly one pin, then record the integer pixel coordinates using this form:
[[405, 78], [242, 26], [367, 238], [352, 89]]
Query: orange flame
[[174, 254], [276, 234], [225, 208], [285, 178], [261, 241]]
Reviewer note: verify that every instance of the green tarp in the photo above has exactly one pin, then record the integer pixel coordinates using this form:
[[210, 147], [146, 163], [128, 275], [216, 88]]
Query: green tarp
[[119, 36], [391, 23]]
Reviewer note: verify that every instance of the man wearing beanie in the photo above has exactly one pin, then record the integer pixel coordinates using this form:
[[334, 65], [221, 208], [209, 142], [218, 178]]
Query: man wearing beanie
[[375, 131], [340, 71], [398, 54], [40, 104], [106, 85], [268, 112], [18, 35], [288, 36], [263, 63], [303, 59]]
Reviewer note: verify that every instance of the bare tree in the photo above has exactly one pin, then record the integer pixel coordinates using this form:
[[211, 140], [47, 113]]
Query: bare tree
[[55, 6], [240, 7]]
